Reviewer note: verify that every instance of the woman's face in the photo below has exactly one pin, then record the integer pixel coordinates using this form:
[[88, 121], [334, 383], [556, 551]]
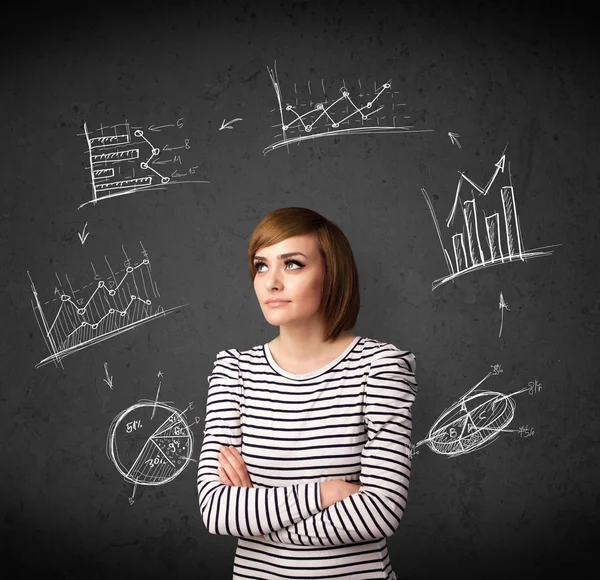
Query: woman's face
[[291, 271]]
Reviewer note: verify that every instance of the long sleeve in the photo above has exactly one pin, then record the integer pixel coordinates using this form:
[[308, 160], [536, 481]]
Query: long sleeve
[[376, 509], [233, 510]]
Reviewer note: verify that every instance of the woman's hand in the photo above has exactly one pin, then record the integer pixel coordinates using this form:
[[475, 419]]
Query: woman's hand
[[335, 490], [233, 468]]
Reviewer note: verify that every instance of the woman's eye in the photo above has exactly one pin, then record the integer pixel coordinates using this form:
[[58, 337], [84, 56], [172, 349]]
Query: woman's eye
[[293, 262], [257, 265]]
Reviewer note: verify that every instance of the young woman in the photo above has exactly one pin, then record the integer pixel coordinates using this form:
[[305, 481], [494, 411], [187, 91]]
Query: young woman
[[306, 453]]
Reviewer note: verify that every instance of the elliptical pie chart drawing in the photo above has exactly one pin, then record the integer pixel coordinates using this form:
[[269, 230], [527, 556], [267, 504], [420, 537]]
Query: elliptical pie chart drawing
[[471, 423]]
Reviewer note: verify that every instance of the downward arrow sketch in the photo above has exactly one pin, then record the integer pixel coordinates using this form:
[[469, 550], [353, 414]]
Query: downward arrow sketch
[[453, 139], [227, 125], [107, 380], [83, 235]]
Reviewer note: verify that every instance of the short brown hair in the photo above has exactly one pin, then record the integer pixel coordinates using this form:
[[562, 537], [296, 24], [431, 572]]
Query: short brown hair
[[340, 301]]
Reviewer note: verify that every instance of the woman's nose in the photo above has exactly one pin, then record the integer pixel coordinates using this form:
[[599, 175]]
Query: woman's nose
[[273, 280]]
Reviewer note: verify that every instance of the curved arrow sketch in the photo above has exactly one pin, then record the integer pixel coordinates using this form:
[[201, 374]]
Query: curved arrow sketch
[[227, 125]]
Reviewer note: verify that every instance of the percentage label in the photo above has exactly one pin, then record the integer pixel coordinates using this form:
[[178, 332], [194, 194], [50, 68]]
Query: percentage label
[[526, 431], [133, 425], [174, 445], [534, 387], [496, 369], [154, 462]]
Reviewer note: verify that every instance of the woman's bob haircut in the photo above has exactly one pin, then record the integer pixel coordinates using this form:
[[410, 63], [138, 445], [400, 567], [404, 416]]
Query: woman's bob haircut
[[340, 301]]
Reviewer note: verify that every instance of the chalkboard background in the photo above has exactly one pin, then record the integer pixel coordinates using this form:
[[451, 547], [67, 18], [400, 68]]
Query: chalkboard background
[[522, 81]]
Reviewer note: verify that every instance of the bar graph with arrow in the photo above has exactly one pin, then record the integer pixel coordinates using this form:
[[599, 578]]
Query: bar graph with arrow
[[124, 159], [483, 239]]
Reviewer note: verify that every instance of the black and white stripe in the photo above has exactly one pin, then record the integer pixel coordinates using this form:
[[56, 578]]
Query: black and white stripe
[[350, 420]]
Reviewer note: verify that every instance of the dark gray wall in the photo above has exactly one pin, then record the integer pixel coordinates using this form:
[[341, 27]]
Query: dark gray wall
[[494, 75]]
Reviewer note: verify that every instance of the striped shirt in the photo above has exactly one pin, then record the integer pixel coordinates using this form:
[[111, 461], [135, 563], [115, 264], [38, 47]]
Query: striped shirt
[[348, 420]]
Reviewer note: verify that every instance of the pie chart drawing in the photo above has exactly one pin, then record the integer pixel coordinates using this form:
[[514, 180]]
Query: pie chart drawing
[[471, 423], [150, 443]]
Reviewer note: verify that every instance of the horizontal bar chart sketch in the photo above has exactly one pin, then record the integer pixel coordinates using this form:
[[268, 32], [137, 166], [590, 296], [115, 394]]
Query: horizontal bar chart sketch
[[343, 108], [150, 443], [474, 421], [483, 239], [105, 307], [124, 159]]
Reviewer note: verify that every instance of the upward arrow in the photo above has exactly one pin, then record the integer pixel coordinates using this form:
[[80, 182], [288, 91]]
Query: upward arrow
[[453, 139], [499, 167]]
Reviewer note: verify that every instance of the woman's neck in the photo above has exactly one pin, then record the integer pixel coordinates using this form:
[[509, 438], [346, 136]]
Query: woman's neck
[[292, 348]]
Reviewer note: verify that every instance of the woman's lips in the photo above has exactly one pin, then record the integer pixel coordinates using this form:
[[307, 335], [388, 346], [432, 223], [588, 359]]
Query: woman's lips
[[278, 303]]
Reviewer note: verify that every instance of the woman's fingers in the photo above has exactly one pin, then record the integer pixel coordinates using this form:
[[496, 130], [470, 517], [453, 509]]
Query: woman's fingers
[[223, 476], [237, 461], [233, 463], [229, 469]]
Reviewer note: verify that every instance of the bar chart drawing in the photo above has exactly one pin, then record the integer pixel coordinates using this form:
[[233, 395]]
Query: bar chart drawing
[[344, 109], [125, 159], [99, 310], [473, 422], [485, 240]]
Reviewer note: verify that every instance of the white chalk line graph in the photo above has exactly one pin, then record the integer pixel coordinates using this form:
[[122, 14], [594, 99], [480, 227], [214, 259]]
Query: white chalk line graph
[[326, 117], [115, 157], [503, 237], [121, 302], [150, 443], [474, 421]]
